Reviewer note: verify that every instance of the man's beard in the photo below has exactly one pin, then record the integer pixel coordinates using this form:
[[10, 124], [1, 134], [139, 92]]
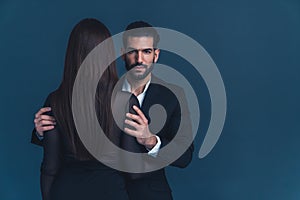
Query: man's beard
[[138, 77]]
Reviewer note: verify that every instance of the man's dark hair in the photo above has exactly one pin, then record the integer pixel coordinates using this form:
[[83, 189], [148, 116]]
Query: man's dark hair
[[140, 29]]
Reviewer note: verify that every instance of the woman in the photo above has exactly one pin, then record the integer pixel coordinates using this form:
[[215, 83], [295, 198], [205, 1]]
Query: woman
[[68, 170]]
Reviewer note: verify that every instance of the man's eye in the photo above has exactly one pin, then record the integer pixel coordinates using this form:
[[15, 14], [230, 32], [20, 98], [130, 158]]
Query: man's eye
[[147, 51], [131, 52]]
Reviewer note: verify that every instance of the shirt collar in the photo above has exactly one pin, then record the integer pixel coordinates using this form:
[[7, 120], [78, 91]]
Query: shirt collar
[[127, 87]]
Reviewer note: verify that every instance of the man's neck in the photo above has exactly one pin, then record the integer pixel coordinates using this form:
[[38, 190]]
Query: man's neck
[[138, 86]]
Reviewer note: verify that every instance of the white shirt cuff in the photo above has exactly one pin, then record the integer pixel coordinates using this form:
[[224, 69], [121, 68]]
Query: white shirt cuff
[[154, 151]]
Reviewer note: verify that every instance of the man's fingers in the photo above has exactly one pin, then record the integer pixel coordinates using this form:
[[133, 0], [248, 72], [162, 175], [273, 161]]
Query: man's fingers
[[47, 117], [141, 114], [130, 132], [135, 117], [47, 128], [41, 129], [136, 133], [131, 123], [44, 117], [41, 111], [45, 123]]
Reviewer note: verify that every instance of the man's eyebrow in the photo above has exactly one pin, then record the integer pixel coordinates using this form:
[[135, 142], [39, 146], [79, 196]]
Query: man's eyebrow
[[131, 48]]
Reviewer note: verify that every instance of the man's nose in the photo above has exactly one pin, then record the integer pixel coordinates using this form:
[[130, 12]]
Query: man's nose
[[139, 57]]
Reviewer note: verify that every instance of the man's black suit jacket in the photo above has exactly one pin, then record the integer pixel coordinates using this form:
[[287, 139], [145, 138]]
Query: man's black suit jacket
[[154, 185]]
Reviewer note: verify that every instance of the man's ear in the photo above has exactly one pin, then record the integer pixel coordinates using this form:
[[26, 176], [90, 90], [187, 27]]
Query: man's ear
[[156, 55], [123, 53]]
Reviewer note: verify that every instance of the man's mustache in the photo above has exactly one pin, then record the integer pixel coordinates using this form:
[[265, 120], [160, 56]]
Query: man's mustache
[[137, 64]]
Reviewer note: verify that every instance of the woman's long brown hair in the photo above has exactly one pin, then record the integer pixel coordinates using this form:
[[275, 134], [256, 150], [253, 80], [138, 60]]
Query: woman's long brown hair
[[85, 36]]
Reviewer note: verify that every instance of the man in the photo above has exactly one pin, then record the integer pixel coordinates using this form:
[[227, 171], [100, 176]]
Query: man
[[139, 54]]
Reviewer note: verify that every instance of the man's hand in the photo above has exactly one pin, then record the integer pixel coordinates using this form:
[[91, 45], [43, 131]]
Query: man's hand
[[142, 132], [43, 122]]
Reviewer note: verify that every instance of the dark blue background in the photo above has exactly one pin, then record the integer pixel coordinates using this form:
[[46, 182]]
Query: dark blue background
[[255, 45]]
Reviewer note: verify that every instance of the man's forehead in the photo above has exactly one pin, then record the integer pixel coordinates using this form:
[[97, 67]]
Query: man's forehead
[[140, 42]]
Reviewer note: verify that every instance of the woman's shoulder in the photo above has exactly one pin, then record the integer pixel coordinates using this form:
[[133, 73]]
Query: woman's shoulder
[[50, 98]]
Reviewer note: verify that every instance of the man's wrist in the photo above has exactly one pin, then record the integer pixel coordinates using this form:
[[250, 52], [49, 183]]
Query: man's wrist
[[155, 149], [151, 142], [40, 137]]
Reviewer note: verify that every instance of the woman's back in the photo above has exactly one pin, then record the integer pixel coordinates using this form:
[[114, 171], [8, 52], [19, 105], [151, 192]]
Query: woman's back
[[68, 171], [64, 176]]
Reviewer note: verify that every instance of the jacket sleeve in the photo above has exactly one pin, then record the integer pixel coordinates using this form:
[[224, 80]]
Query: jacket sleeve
[[179, 125], [51, 158], [51, 161], [34, 138]]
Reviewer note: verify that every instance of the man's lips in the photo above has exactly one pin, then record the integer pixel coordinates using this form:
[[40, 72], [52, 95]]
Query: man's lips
[[139, 67]]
